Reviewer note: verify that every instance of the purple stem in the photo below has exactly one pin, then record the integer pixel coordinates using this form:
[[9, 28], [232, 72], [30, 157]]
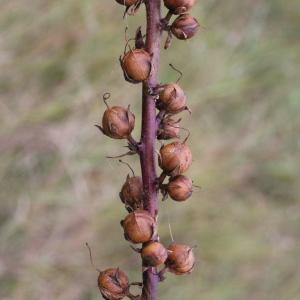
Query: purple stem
[[148, 134]]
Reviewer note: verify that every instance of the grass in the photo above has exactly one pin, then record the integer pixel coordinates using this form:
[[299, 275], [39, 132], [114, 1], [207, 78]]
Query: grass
[[58, 191]]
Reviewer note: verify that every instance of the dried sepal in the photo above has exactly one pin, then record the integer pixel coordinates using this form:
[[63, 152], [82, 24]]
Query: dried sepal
[[168, 129], [179, 6], [184, 27], [139, 226], [136, 65], [139, 39], [181, 259], [179, 188], [164, 22], [153, 254], [175, 158], [168, 40], [161, 274], [128, 153]]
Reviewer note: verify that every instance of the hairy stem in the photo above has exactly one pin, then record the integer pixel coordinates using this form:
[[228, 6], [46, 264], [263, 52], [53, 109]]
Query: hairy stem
[[148, 134]]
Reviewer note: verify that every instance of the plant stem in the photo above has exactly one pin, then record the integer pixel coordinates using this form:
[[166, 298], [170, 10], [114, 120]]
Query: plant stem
[[148, 134]]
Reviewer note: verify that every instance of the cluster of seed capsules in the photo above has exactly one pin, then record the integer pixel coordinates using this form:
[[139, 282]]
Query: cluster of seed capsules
[[139, 226]]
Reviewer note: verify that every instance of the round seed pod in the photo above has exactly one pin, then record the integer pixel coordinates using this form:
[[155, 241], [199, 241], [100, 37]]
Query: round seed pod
[[139, 226], [184, 27], [136, 65], [118, 122], [180, 188], [171, 98], [132, 193], [179, 6], [154, 254], [113, 284], [181, 259], [128, 2], [175, 158], [168, 129]]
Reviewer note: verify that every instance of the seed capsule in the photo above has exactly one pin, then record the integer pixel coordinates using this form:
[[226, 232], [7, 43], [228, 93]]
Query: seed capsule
[[132, 193], [181, 259], [154, 254], [113, 284], [172, 98], [184, 27], [139, 226], [175, 158], [168, 129], [128, 2], [179, 6], [136, 65], [118, 122], [180, 188]]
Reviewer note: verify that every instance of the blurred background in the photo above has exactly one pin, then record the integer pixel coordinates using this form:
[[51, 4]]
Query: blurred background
[[242, 78]]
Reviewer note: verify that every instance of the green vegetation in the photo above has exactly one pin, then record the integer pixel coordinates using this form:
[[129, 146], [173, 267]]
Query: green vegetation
[[58, 191]]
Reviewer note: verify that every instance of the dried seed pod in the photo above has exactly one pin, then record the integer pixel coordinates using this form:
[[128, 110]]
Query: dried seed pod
[[128, 2], [136, 65], [179, 6], [113, 284], [180, 188], [184, 27], [181, 259], [139, 39], [154, 254], [117, 122], [168, 129], [175, 158], [132, 193], [139, 226], [171, 98]]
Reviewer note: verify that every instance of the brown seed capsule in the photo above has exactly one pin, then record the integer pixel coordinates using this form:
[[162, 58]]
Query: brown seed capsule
[[179, 6], [168, 129], [181, 259], [139, 226], [117, 122], [132, 193], [172, 98], [184, 27], [128, 2], [175, 158], [113, 284], [154, 254], [180, 188], [136, 65]]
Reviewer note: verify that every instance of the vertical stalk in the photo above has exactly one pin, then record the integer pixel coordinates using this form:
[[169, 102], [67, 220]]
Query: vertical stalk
[[148, 134]]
